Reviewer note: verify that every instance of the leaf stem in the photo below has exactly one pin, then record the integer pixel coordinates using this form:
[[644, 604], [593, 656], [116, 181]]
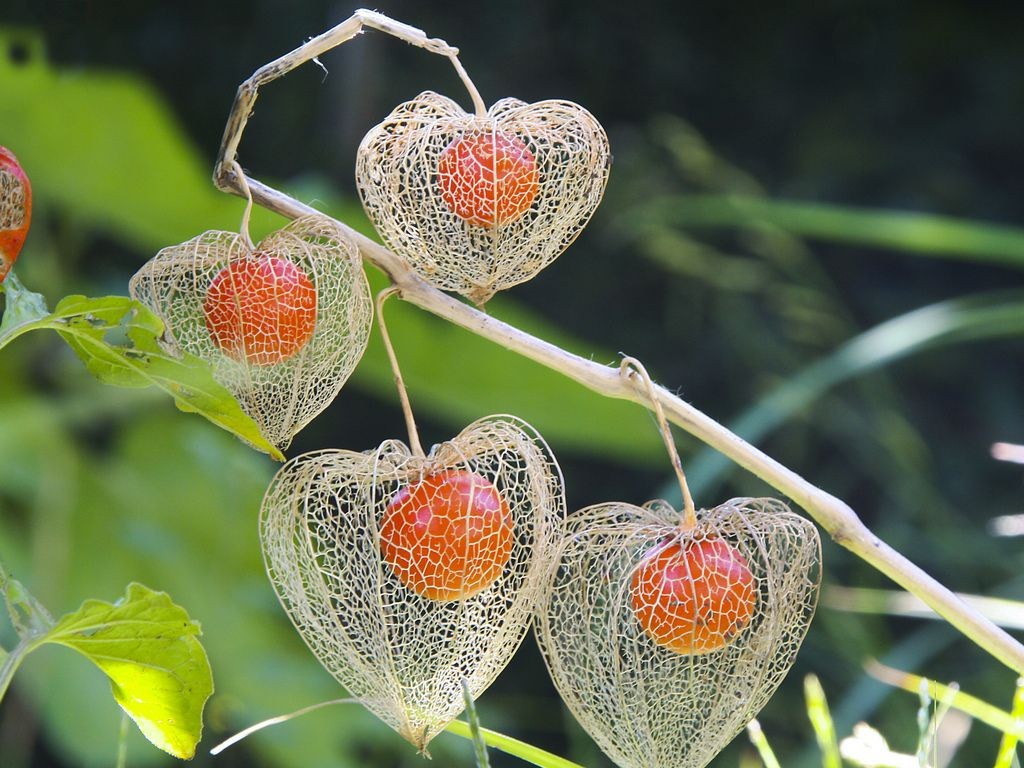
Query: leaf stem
[[122, 742], [13, 660]]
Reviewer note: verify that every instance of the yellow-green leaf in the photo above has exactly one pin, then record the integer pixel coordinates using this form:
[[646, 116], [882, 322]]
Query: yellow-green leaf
[[158, 670]]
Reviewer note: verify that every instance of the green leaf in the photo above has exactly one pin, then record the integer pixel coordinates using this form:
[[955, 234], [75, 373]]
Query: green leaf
[[117, 339], [28, 615], [158, 670], [919, 233], [22, 307]]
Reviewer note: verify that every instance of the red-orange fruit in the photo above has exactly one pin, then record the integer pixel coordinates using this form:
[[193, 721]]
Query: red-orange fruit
[[694, 596], [260, 309], [488, 179], [447, 537], [15, 209]]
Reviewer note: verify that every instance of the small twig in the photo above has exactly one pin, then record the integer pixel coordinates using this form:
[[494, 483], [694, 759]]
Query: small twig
[[403, 396], [835, 516]]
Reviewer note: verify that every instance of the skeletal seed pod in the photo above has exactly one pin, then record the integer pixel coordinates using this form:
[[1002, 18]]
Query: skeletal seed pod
[[15, 209], [282, 324], [400, 619], [479, 203], [665, 642]]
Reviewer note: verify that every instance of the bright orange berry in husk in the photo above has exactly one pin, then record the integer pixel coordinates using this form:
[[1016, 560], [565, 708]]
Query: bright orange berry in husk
[[447, 537], [694, 596], [488, 179], [15, 209], [261, 309]]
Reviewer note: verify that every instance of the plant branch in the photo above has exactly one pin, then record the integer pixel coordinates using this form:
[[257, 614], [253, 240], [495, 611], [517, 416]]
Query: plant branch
[[832, 514]]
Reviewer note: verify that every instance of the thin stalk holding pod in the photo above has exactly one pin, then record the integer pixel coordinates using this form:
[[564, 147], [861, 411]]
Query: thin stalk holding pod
[[403, 396], [689, 521]]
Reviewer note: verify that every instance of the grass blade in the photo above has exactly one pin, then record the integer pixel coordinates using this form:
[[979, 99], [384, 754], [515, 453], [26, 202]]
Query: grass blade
[[821, 721], [917, 233], [515, 747], [760, 742], [1007, 755], [980, 710]]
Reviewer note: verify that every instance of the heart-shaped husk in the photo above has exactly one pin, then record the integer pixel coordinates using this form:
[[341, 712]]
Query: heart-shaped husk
[[397, 172], [402, 654], [648, 706], [284, 396]]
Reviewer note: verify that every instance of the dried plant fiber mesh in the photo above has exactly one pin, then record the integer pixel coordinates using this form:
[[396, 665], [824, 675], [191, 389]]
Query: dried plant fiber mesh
[[282, 325], [12, 201], [478, 204], [645, 703], [401, 615]]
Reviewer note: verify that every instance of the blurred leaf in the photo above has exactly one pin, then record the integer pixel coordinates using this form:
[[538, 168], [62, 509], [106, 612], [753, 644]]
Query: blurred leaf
[[980, 710], [522, 750], [21, 308], [461, 376], [972, 318], [116, 338], [158, 670], [1005, 613], [919, 233]]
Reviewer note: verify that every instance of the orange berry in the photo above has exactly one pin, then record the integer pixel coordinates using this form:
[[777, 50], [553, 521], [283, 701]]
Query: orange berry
[[15, 209], [448, 536], [488, 179], [260, 309], [694, 596]]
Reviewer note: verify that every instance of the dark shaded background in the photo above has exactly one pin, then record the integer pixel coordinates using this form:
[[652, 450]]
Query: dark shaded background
[[910, 106]]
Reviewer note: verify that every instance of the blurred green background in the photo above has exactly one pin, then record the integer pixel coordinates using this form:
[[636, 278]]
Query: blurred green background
[[811, 231]]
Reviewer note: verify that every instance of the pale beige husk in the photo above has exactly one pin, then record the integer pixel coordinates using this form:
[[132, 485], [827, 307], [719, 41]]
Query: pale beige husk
[[12, 201], [647, 706], [396, 172], [281, 398], [402, 655]]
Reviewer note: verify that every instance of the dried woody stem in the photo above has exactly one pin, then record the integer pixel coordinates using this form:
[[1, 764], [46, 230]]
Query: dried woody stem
[[689, 520], [835, 516], [403, 396]]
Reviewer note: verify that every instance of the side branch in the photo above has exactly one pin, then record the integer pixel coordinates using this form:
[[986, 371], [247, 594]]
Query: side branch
[[832, 514]]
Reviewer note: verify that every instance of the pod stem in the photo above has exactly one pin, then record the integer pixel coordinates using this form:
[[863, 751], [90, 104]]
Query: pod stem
[[403, 396], [629, 368], [247, 213]]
